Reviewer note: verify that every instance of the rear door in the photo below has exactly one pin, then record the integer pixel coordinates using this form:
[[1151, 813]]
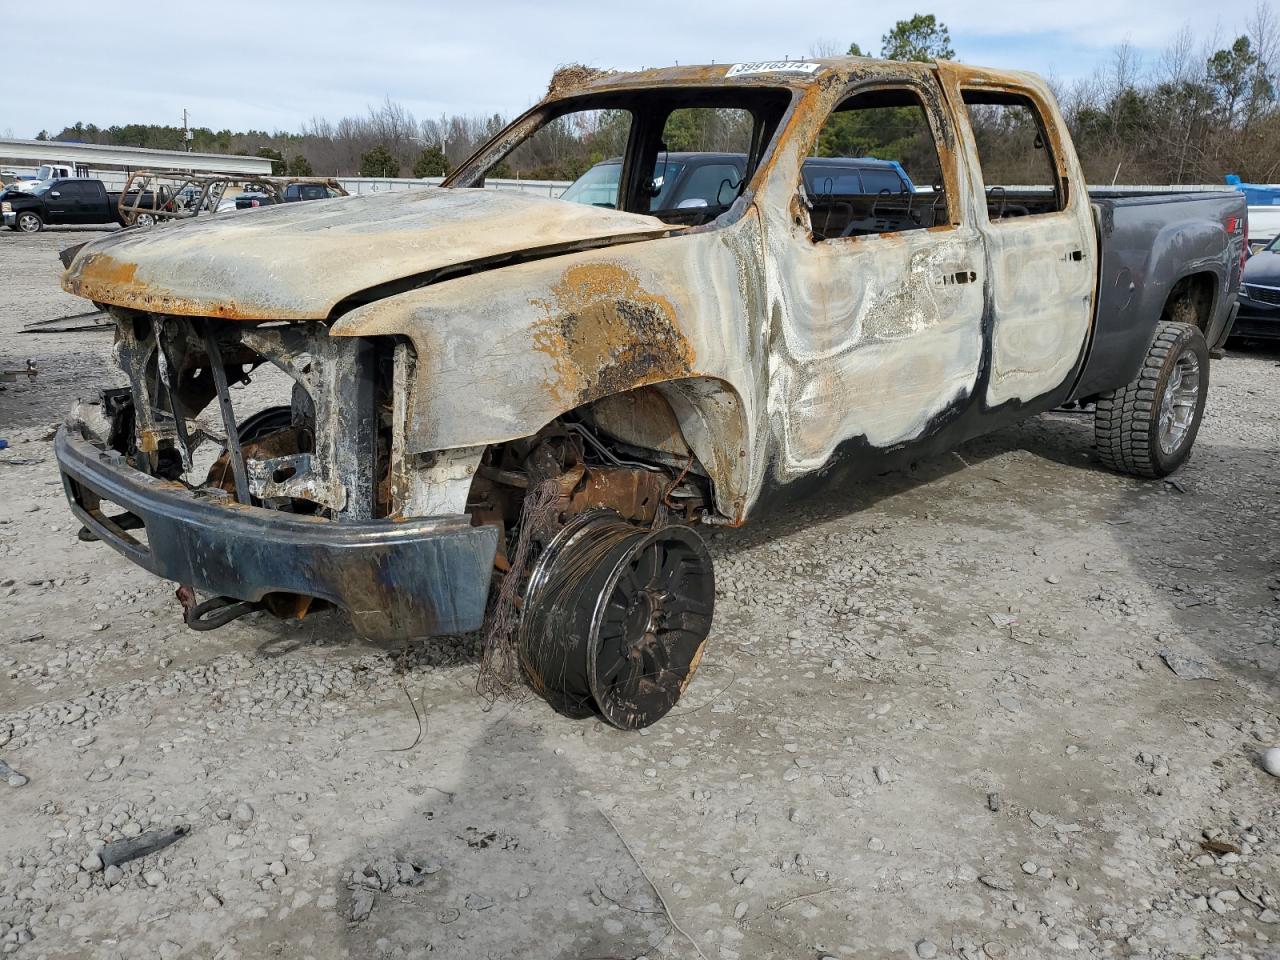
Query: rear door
[[1038, 228]]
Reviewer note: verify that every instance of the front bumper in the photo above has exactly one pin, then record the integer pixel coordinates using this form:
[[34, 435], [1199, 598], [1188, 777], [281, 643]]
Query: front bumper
[[418, 577], [1256, 320], [10, 219]]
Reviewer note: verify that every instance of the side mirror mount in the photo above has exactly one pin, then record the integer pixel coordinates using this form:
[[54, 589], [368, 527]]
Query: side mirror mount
[[691, 203]]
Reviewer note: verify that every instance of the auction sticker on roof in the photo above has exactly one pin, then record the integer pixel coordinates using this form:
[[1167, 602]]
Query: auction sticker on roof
[[771, 66]]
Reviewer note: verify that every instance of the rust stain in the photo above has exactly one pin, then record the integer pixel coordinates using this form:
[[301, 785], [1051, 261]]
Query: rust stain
[[605, 333], [104, 279]]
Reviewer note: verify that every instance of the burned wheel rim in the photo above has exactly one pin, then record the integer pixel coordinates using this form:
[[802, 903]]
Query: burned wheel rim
[[616, 618]]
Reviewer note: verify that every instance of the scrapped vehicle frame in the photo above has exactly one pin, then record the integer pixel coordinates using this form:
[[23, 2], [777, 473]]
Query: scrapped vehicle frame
[[513, 410], [149, 195]]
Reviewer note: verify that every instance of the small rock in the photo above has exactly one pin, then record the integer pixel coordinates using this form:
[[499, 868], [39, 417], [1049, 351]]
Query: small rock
[[170, 950], [1029, 867], [739, 874], [91, 863], [112, 875], [996, 883], [17, 780], [243, 813], [300, 844], [797, 815], [926, 950], [153, 878], [882, 775], [1068, 941], [994, 949], [361, 905], [740, 910], [524, 891], [1271, 761], [876, 844], [994, 803]]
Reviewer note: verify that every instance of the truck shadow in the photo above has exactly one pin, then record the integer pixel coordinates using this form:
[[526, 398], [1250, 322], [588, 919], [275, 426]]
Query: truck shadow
[[549, 877]]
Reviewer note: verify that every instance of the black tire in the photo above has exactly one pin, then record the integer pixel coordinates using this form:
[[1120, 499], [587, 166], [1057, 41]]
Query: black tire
[[28, 221], [1147, 428]]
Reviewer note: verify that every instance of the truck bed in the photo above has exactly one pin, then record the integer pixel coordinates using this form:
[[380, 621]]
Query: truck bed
[[1154, 248]]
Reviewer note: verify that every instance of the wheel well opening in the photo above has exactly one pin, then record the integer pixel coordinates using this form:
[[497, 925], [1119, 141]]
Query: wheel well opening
[[1191, 300], [625, 452]]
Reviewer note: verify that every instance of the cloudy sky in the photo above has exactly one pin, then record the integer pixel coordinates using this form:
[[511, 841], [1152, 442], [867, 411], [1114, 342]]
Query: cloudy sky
[[246, 64]]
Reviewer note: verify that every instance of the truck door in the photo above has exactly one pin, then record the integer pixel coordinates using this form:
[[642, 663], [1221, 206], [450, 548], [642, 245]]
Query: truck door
[[877, 296], [62, 201], [1039, 232], [86, 201]]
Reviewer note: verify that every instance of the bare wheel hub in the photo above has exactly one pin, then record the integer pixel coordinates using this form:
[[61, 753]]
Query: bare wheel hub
[[615, 619]]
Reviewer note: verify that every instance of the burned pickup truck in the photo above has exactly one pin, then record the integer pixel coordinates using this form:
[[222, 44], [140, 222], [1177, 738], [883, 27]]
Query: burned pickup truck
[[515, 411]]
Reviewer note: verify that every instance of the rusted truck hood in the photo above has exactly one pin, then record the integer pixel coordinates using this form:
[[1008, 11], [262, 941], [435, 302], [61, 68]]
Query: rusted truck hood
[[297, 261]]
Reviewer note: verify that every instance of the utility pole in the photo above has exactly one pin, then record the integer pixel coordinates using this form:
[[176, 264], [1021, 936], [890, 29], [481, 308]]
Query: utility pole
[[186, 134]]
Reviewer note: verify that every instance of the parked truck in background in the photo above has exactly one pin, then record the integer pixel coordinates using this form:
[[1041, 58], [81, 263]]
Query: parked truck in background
[[505, 403], [58, 202]]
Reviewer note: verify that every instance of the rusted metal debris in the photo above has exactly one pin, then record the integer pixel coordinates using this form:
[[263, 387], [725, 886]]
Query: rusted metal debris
[[154, 195], [72, 323], [30, 371]]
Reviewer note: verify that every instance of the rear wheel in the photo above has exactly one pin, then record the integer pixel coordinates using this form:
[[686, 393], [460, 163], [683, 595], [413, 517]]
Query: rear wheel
[[28, 221], [1147, 428], [615, 619]]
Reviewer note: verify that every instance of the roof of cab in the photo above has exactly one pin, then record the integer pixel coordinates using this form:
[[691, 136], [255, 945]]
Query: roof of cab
[[577, 79]]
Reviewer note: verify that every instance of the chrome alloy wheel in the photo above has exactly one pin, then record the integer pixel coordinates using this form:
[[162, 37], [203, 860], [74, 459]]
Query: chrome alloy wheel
[[1178, 405]]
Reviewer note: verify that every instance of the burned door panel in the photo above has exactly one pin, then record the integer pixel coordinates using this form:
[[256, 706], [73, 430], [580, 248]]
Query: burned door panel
[[1040, 242]]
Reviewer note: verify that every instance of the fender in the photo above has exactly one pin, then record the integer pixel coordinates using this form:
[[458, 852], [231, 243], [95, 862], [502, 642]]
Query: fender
[[500, 354]]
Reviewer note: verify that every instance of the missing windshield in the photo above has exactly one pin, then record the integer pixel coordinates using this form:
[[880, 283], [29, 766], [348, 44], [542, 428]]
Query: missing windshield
[[684, 156]]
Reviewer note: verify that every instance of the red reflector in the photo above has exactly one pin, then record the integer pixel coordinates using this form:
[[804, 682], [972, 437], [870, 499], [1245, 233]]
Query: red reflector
[[1233, 224]]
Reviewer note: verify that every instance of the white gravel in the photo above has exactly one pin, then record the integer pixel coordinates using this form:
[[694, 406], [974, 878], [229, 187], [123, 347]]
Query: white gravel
[[932, 720]]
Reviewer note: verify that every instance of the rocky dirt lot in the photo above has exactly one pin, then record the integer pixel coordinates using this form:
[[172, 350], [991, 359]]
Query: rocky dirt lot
[[933, 721]]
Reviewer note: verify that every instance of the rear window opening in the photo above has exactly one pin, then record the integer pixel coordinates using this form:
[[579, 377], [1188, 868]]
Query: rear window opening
[[631, 150], [1019, 171]]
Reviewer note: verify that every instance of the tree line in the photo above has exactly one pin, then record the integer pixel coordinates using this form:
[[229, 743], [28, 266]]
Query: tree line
[[1193, 114]]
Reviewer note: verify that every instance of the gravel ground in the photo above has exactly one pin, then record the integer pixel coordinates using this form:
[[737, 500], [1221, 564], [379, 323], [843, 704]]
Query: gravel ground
[[933, 720]]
